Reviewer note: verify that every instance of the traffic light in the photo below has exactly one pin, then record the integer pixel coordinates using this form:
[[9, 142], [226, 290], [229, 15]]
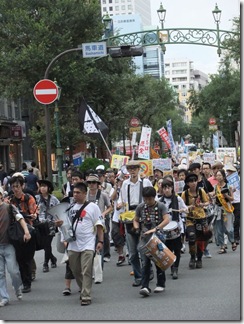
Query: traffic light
[[125, 51]]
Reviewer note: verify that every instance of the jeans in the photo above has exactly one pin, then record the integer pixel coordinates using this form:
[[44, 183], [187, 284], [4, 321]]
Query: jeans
[[222, 226], [146, 269], [8, 260], [132, 241]]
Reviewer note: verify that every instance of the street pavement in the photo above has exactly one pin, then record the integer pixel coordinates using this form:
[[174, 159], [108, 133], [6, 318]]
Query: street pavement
[[211, 293]]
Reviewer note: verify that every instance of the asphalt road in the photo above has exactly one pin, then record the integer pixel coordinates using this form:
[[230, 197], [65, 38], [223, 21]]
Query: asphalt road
[[211, 293]]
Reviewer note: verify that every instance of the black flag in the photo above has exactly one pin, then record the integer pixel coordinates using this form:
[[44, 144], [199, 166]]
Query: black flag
[[90, 122]]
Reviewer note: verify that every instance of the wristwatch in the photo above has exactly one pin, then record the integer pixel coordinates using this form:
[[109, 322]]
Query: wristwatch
[[100, 242], [157, 228]]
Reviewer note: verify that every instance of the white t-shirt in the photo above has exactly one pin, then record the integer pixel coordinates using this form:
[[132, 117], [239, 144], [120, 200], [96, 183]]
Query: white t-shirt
[[86, 228]]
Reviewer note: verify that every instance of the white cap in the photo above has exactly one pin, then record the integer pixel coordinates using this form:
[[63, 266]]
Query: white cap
[[18, 174], [100, 167]]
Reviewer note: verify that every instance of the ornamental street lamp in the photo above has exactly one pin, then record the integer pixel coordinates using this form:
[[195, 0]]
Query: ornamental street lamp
[[217, 14], [229, 113], [108, 25], [161, 15], [59, 152]]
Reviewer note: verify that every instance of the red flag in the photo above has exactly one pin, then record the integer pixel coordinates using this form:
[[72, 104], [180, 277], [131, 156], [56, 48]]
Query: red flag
[[164, 136]]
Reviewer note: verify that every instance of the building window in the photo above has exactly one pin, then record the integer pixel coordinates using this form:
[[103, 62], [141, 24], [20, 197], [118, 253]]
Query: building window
[[129, 7], [117, 8], [104, 1], [110, 8], [123, 7], [110, 1], [104, 9]]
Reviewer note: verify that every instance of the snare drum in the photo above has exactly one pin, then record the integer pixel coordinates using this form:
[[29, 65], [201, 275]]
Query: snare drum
[[158, 252], [172, 230]]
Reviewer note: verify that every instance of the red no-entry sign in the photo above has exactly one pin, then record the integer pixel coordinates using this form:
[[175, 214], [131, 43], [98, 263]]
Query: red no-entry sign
[[45, 91]]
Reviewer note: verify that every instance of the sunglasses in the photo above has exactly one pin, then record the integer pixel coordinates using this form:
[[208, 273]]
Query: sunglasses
[[91, 182], [132, 167]]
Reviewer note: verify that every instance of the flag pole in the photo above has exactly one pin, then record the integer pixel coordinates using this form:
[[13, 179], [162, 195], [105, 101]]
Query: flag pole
[[95, 123], [105, 142]]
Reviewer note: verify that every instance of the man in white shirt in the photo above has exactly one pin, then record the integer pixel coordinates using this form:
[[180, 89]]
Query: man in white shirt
[[87, 223], [130, 197]]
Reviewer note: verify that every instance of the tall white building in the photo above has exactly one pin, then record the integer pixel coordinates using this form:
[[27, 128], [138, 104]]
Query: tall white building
[[181, 75], [128, 7]]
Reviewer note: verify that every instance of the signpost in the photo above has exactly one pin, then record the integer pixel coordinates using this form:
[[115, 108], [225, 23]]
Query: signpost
[[134, 122], [97, 49], [45, 92]]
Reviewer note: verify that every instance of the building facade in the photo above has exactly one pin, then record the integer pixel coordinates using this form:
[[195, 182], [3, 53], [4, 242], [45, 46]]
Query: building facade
[[12, 132], [181, 75]]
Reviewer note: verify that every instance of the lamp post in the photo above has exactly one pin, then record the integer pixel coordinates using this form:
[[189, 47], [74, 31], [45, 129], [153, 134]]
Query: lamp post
[[161, 15], [229, 113], [217, 14], [59, 152], [108, 25]]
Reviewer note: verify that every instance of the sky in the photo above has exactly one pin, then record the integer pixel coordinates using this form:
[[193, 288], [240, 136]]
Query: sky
[[195, 14]]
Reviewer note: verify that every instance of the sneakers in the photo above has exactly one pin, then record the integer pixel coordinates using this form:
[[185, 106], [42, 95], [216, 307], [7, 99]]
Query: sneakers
[[136, 283], [207, 254], [18, 294], [183, 249], [66, 292], [54, 263], [45, 267], [26, 289], [120, 260], [4, 302], [159, 289], [145, 291], [199, 264], [106, 259], [192, 264]]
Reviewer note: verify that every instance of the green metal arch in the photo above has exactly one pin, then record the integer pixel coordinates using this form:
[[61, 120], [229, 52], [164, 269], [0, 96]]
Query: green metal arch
[[195, 36]]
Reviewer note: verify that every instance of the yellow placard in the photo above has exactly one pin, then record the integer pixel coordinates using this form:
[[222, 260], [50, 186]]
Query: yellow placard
[[118, 160], [146, 168]]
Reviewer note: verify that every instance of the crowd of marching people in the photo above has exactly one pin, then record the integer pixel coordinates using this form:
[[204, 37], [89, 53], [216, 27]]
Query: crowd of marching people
[[149, 222]]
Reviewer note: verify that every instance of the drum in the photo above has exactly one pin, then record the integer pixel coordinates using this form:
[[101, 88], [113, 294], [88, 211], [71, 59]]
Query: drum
[[157, 251], [172, 230]]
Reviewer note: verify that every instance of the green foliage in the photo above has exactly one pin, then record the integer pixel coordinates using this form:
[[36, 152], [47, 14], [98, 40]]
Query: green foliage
[[90, 163], [34, 32]]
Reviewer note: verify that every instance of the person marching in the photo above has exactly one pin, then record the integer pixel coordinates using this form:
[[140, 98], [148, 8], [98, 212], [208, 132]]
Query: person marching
[[26, 205], [45, 200], [7, 252], [175, 206], [150, 217], [196, 220], [130, 196], [224, 222], [86, 225]]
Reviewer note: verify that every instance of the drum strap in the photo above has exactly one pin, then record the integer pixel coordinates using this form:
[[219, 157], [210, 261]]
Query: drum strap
[[77, 217]]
